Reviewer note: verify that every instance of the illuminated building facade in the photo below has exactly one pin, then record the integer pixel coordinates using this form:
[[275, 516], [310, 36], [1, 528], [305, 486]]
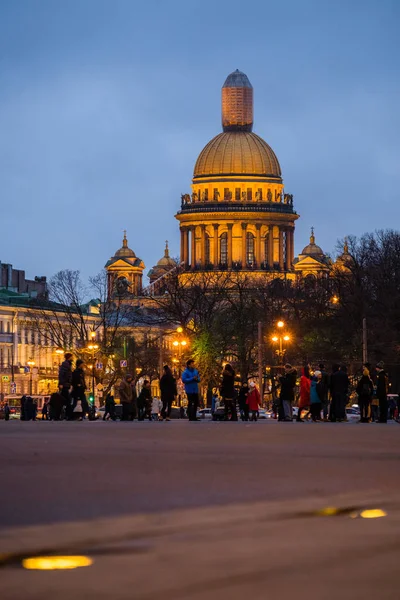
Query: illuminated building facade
[[238, 214]]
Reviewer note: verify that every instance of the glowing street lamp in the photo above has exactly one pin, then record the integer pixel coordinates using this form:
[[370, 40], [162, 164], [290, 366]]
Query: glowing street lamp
[[31, 364], [280, 337]]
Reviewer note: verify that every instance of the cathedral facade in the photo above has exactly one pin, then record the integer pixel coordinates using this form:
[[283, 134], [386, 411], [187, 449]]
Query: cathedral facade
[[238, 215]]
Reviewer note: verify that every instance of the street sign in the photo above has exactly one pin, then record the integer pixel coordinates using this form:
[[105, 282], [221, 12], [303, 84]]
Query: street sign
[[123, 363], [5, 378], [100, 386], [99, 366], [99, 394], [13, 387]]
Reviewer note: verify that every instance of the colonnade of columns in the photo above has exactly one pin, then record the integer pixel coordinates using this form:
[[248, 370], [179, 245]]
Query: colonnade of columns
[[278, 250]]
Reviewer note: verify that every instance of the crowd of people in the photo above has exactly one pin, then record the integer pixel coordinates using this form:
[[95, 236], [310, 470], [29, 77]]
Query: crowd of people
[[321, 396]]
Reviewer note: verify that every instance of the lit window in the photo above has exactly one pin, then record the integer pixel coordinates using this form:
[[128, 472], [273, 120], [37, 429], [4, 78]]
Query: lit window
[[249, 248], [223, 249]]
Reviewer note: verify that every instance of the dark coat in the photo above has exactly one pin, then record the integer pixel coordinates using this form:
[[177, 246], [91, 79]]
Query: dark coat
[[228, 384], [381, 385], [243, 392], [168, 387], [65, 374], [339, 383], [144, 397], [125, 392], [78, 379], [288, 383], [365, 387]]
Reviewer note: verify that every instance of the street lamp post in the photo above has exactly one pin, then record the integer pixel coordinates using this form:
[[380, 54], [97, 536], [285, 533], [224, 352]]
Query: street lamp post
[[280, 337], [31, 364], [179, 344], [92, 348]]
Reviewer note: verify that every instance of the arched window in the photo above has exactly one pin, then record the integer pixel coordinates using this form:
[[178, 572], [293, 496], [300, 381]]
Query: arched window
[[207, 249], [223, 249], [249, 248]]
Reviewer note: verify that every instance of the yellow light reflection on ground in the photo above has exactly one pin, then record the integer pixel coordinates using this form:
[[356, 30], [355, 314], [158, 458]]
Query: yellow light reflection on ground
[[50, 563], [375, 513], [329, 511]]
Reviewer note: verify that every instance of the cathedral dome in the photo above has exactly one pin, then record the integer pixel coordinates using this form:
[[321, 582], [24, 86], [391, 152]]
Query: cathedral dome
[[125, 251], [237, 153], [312, 249], [166, 260]]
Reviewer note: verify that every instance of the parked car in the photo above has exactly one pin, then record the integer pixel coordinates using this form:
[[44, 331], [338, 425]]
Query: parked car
[[352, 414], [204, 413]]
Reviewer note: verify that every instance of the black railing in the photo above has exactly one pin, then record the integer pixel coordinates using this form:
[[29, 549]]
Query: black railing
[[269, 207]]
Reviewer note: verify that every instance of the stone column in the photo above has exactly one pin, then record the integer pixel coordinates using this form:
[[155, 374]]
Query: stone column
[[289, 242], [230, 226], [203, 245], [244, 230], [215, 261], [271, 246], [291, 234], [281, 257], [193, 252], [258, 245], [186, 246], [182, 245]]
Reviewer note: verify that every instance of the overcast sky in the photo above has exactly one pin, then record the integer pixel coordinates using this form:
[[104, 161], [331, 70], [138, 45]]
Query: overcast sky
[[106, 104]]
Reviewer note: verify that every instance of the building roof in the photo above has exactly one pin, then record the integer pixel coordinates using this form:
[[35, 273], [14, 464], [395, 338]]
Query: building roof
[[312, 249], [237, 79], [126, 254], [237, 153]]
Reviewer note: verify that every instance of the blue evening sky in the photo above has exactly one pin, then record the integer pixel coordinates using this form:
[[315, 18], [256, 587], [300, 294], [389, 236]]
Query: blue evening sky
[[105, 105]]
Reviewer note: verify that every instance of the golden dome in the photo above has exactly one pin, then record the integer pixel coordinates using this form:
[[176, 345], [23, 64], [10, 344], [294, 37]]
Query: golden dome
[[237, 153], [166, 260], [125, 251]]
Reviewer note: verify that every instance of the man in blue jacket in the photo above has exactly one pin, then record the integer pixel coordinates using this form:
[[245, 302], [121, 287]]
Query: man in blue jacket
[[190, 379]]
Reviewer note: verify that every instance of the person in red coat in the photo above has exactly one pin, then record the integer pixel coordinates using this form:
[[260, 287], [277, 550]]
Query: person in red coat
[[253, 400], [305, 386]]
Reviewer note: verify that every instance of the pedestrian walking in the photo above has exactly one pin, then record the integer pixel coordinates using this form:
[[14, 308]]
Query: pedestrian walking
[[227, 392], [45, 411], [109, 408], [288, 384], [365, 390], [144, 402], [191, 379], [305, 385], [169, 392], [125, 396], [253, 400], [316, 396], [325, 379], [34, 409], [56, 405], [243, 406], [339, 388], [381, 392], [6, 409], [214, 401], [65, 383], [29, 409], [79, 390], [156, 406]]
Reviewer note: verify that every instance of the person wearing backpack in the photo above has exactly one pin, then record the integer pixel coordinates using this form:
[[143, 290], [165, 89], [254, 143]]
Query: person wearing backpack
[[365, 390]]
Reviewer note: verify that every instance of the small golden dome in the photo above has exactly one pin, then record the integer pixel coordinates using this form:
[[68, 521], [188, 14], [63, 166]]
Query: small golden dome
[[125, 251], [237, 153], [166, 260], [312, 249]]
